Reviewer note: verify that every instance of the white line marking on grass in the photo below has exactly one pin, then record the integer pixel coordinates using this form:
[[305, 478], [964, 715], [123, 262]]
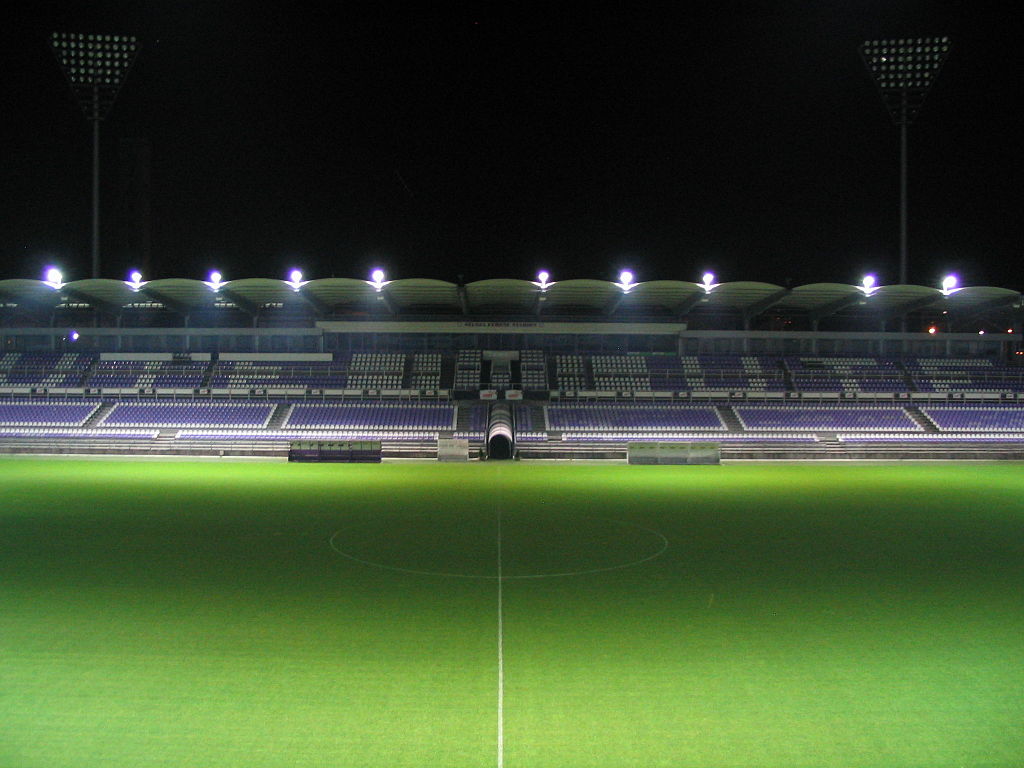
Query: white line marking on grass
[[501, 658], [500, 577], [333, 541]]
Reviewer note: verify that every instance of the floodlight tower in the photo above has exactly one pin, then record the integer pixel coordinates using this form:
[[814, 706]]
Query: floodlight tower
[[904, 70], [96, 67]]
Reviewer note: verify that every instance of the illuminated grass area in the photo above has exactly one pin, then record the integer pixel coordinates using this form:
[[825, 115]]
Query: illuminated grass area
[[171, 614]]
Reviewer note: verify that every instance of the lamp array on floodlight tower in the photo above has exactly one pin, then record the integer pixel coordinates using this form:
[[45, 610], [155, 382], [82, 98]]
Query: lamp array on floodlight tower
[[96, 67], [904, 70]]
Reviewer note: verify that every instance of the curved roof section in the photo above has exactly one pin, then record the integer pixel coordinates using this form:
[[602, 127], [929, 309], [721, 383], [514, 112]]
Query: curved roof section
[[340, 295], [665, 295], [743, 295], [180, 294], [498, 295], [586, 295], [331, 293], [418, 294], [816, 295], [29, 292]]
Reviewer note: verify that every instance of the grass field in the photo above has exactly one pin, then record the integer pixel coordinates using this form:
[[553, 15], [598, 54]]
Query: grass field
[[213, 614]]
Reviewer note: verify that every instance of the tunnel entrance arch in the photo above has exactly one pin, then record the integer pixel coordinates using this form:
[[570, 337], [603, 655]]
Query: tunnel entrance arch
[[501, 433]]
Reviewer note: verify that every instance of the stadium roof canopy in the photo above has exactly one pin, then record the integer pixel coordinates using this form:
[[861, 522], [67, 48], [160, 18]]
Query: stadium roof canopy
[[347, 297]]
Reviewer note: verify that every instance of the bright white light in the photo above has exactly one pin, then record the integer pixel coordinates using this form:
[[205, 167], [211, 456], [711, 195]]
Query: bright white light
[[542, 278], [869, 284], [933, 330], [709, 279], [295, 276], [949, 283], [54, 278], [625, 280], [73, 335], [135, 277], [981, 333], [377, 280], [215, 281]]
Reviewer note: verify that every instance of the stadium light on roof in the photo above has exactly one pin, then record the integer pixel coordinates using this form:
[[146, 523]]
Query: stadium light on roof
[[708, 281], [95, 67], [216, 281], [625, 280], [542, 280], [295, 279], [869, 284], [54, 278], [134, 280], [904, 70], [949, 283], [377, 279]]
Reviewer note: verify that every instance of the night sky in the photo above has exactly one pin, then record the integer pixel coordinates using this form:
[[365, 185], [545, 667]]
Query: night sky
[[461, 144]]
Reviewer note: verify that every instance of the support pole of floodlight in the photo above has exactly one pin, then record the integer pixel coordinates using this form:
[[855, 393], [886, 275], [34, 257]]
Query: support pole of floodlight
[[95, 184], [903, 123], [96, 67], [904, 70]]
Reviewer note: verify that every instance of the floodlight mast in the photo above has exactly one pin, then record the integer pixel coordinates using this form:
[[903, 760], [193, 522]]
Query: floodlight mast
[[96, 67], [904, 69]]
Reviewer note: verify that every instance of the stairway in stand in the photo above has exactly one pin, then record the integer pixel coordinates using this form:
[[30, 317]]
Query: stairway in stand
[[97, 417], [729, 418], [280, 415], [921, 419]]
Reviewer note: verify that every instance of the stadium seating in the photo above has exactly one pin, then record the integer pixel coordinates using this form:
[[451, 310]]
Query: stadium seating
[[752, 373], [426, 371], [29, 414], [977, 418], [846, 374], [631, 417], [374, 416], [666, 373], [270, 375], [468, 365], [376, 370], [44, 369], [620, 372], [817, 418], [931, 374], [570, 373], [37, 433], [146, 374], [533, 370], [601, 399], [189, 414], [526, 428]]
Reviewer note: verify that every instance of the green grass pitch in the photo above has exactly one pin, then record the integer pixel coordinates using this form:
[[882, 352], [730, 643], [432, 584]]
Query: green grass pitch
[[258, 615]]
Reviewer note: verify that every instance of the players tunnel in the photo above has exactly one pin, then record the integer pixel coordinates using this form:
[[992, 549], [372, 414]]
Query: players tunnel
[[500, 433]]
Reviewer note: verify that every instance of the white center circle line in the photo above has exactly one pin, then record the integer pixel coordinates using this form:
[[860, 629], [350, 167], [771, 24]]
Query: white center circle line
[[335, 537]]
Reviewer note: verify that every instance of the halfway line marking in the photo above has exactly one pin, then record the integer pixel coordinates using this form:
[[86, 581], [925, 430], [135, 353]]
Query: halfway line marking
[[501, 658]]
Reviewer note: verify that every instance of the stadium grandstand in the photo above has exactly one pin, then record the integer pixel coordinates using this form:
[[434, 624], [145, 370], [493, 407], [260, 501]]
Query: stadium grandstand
[[517, 368]]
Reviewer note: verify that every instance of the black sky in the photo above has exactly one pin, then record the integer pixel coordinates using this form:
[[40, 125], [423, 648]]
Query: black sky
[[741, 137]]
